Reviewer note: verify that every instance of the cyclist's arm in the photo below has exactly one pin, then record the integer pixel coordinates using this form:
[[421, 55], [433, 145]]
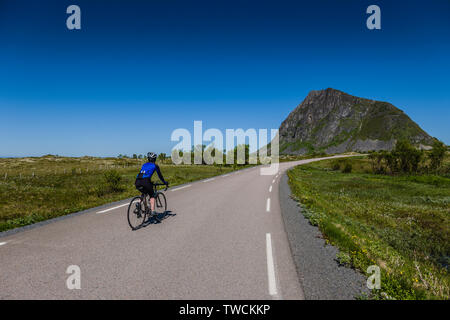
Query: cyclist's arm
[[160, 176]]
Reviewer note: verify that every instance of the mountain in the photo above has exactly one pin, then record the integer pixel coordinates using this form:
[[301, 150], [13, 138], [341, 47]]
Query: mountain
[[334, 121]]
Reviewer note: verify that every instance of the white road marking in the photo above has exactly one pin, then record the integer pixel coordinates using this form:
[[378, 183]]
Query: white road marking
[[273, 181], [207, 180], [2, 243], [270, 266], [226, 175], [268, 205], [181, 187], [270, 189], [110, 209]]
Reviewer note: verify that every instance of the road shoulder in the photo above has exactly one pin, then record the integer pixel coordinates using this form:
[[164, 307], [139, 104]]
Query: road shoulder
[[319, 273]]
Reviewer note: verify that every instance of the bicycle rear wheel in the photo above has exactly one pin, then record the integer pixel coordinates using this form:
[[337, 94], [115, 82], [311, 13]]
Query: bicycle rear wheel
[[160, 203], [136, 212]]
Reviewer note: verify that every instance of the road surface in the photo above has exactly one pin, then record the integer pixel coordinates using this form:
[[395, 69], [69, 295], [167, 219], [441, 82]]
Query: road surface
[[223, 239]]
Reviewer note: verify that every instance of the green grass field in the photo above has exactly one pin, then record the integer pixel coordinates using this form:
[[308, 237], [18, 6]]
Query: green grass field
[[36, 189], [400, 223]]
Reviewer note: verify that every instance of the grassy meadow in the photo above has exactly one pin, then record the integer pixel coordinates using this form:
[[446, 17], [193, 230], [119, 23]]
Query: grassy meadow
[[398, 222], [38, 188]]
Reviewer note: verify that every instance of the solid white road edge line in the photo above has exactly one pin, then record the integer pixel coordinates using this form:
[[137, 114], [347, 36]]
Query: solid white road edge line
[[207, 180], [110, 209], [268, 205], [270, 266], [181, 187]]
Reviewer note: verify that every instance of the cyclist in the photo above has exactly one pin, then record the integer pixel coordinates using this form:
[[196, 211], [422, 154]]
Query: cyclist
[[143, 180]]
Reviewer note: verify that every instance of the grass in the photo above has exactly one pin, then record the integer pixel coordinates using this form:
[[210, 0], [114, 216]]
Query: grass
[[400, 223], [37, 189]]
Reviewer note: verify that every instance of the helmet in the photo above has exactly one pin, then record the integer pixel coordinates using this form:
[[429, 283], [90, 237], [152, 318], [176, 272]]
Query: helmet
[[151, 156]]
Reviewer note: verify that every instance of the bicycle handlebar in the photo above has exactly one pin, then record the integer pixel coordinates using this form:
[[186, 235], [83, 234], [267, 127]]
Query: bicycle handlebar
[[161, 184]]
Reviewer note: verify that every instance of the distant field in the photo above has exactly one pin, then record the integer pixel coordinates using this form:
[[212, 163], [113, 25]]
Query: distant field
[[36, 189], [400, 223]]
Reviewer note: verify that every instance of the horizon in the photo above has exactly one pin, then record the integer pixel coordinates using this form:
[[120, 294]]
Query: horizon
[[168, 154], [129, 77]]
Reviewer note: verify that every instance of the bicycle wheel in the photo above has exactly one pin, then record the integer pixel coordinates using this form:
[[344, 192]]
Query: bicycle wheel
[[160, 203], [136, 213]]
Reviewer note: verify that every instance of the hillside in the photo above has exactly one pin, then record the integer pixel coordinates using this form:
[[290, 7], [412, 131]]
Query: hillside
[[334, 122]]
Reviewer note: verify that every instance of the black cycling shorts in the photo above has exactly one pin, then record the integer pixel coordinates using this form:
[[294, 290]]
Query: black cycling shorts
[[144, 186]]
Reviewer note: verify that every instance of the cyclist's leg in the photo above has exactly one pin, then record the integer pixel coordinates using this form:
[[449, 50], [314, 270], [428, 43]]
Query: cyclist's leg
[[151, 193], [152, 203]]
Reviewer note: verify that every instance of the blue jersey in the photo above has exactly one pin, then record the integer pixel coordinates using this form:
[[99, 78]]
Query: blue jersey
[[147, 171]]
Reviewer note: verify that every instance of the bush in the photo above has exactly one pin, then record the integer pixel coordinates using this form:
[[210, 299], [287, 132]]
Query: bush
[[437, 155], [336, 165], [408, 157], [405, 158], [113, 180], [347, 168]]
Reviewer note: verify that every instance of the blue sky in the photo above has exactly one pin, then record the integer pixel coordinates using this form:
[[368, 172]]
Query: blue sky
[[137, 70]]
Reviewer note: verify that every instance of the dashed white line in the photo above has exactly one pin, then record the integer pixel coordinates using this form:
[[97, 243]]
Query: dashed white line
[[110, 209], [3, 243], [181, 187], [270, 189], [273, 181], [268, 205], [270, 266], [207, 180]]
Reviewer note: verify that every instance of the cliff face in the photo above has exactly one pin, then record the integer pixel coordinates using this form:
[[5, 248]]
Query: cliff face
[[333, 121]]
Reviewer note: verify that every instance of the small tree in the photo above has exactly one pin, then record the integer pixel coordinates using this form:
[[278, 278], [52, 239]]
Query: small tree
[[437, 154], [162, 157], [408, 156], [347, 168]]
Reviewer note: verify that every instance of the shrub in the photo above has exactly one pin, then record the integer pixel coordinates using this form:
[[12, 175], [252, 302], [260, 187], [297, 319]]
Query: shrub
[[407, 156], [347, 168], [113, 180], [336, 166], [437, 155]]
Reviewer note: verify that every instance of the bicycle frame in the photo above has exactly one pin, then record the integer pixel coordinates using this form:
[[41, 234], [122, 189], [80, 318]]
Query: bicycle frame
[[155, 193]]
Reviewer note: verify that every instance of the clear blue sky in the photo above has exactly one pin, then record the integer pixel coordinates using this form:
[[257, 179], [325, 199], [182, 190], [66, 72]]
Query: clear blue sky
[[137, 70]]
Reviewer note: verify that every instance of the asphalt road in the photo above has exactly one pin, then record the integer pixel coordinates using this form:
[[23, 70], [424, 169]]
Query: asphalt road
[[223, 239]]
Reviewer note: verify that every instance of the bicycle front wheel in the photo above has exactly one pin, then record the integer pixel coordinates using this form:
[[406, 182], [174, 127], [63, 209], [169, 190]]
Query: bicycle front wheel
[[160, 203], [136, 212]]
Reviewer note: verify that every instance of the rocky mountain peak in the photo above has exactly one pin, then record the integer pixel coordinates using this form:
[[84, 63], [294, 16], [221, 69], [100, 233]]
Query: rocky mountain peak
[[333, 121]]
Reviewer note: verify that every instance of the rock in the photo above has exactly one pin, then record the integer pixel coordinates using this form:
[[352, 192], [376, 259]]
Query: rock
[[333, 121]]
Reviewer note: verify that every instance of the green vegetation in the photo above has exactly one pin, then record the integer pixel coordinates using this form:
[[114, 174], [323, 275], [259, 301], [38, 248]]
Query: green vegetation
[[407, 159], [399, 222], [36, 189]]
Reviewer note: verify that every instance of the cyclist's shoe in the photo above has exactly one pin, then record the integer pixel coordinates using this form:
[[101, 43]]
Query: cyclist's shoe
[[155, 215]]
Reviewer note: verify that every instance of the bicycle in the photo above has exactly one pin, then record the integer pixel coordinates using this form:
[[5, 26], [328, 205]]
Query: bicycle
[[139, 207]]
